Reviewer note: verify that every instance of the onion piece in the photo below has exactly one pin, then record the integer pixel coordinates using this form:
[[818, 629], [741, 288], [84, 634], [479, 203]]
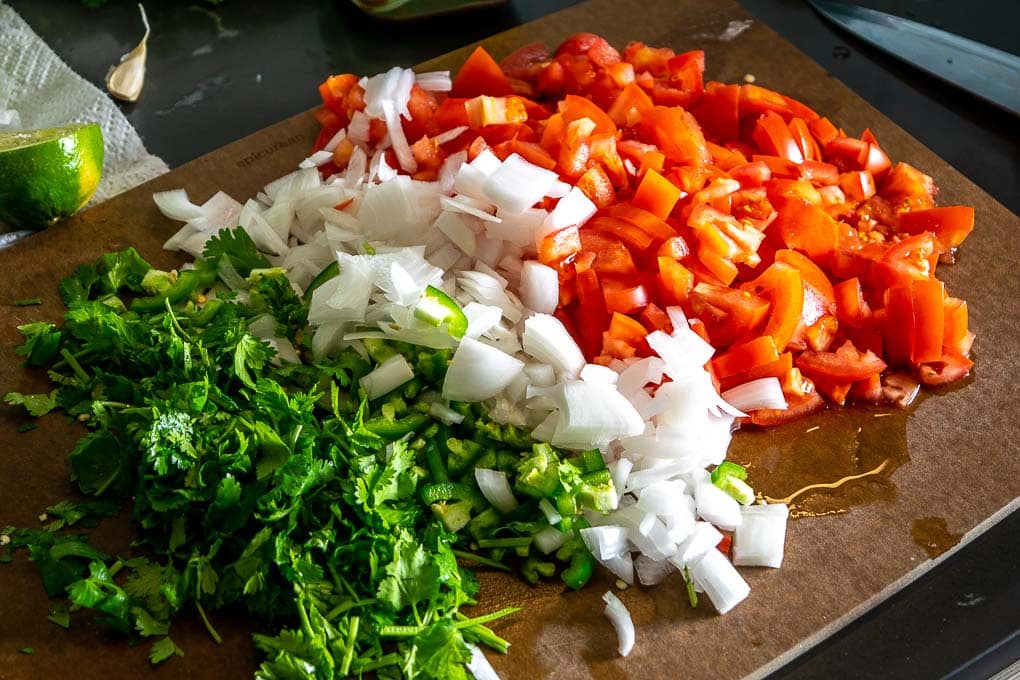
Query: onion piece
[[651, 572], [318, 158], [434, 81], [618, 615], [572, 210], [723, 584], [387, 376], [540, 287], [717, 506], [592, 415], [549, 539], [175, 205], [702, 539], [496, 488], [597, 373], [551, 514], [621, 566], [450, 135], [759, 540], [606, 541], [445, 413], [479, 371], [516, 184], [547, 339]]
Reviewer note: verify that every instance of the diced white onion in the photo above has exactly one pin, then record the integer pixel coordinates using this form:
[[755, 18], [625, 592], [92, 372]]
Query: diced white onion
[[756, 394], [551, 514], [318, 158], [387, 376], [718, 507], [549, 539], [572, 210], [605, 542], [618, 615], [434, 81], [540, 287], [445, 413], [547, 339], [621, 566], [724, 586], [516, 184], [496, 488], [759, 540], [592, 415], [175, 205], [478, 372], [599, 374], [651, 572]]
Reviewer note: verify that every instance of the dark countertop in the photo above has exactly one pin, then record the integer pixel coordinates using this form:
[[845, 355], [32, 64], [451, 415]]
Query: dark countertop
[[217, 73]]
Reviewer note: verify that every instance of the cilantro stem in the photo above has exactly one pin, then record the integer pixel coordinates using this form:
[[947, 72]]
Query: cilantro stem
[[478, 559], [306, 625], [382, 662], [399, 631], [484, 635], [347, 606], [75, 366], [414, 610], [294, 436], [487, 618], [352, 635], [692, 594], [173, 320], [208, 626]]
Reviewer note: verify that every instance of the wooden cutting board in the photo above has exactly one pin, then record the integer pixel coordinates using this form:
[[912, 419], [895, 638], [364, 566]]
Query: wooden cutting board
[[953, 458]]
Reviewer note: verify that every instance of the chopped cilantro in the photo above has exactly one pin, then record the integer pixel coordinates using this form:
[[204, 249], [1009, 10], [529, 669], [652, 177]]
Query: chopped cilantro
[[28, 302], [277, 489]]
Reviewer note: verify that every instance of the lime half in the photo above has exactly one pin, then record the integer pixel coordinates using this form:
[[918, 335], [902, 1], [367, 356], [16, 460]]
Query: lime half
[[48, 174]]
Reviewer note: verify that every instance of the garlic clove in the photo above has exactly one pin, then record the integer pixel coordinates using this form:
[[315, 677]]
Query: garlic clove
[[125, 80]]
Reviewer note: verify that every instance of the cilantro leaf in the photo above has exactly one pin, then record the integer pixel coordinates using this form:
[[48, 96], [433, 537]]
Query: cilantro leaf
[[238, 248], [36, 404], [411, 576], [77, 287], [440, 652], [42, 343], [123, 269], [162, 650], [250, 353]]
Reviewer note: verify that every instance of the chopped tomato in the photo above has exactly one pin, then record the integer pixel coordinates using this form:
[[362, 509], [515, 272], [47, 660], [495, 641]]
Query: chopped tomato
[[951, 225], [480, 75], [797, 408], [846, 364], [798, 251]]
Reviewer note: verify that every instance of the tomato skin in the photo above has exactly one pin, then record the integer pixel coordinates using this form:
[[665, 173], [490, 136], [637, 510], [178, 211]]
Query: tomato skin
[[592, 315], [784, 287], [912, 259], [526, 62], [845, 365], [590, 45], [951, 224], [773, 137], [798, 407], [949, 368], [479, 75]]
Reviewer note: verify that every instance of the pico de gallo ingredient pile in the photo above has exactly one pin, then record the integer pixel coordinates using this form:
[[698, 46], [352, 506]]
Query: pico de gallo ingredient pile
[[510, 318], [797, 251]]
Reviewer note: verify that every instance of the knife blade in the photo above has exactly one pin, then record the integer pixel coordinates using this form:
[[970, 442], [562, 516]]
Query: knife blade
[[989, 73]]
